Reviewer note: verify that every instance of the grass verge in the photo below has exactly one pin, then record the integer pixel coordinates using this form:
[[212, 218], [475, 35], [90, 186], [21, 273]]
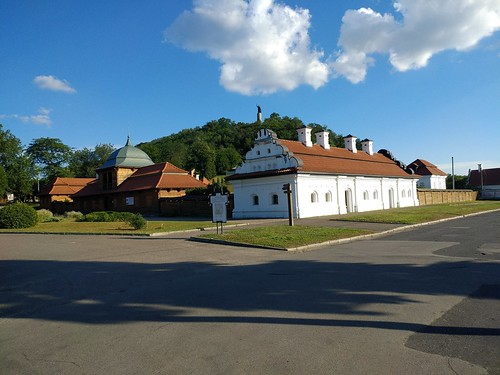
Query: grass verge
[[284, 237], [68, 226], [421, 214]]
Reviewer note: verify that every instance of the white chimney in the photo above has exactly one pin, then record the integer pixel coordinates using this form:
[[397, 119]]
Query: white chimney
[[305, 136], [367, 146], [350, 143], [322, 138]]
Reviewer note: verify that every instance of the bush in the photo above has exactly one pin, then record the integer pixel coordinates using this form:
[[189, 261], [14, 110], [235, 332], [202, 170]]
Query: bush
[[107, 216], [44, 216], [137, 221], [74, 215], [18, 215]]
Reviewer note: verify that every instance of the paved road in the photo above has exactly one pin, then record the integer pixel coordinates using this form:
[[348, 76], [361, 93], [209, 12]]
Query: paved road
[[420, 302]]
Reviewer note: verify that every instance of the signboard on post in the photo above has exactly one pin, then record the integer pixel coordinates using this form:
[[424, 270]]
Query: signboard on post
[[219, 211]]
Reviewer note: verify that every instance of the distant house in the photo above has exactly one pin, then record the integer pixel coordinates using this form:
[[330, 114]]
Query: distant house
[[487, 181], [61, 189], [431, 177], [324, 180], [130, 181]]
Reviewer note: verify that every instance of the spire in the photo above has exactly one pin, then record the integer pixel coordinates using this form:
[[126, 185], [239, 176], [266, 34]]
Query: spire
[[128, 141]]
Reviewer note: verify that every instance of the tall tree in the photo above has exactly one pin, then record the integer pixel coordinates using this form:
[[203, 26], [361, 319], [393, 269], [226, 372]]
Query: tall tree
[[51, 155], [19, 168], [3, 182], [202, 159], [84, 162]]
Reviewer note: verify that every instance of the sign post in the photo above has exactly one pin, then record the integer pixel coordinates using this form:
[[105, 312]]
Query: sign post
[[287, 189], [219, 212]]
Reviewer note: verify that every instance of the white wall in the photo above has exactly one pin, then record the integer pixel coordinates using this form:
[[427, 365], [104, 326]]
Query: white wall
[[432, 182], [320, 195]]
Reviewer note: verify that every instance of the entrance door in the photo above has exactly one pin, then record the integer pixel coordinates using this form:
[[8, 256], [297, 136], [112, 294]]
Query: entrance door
[[348, 200], [391, 198]]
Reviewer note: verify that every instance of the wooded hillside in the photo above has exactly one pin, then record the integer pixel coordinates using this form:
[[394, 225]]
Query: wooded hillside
[[221, 145]]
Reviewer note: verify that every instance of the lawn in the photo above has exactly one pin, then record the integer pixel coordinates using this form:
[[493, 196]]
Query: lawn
[[421, 214], [283, 237], [70, 226]]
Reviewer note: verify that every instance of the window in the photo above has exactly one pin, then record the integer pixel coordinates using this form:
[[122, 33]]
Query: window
[[258, 152], [255, 199], [275, 199], [314, 197], [403, 194], [366, 196], [129, 201], [375, 194], [328, 196], [409, 193], [268, 150]]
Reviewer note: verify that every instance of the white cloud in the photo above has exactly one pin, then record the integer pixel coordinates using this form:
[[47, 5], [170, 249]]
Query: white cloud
[[41, 118], [426, 28], [263, 46], [53, 83]]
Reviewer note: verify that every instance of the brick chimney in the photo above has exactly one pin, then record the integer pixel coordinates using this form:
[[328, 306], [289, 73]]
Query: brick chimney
[[350, 143], [305, 136], [367, 146], [322, 138]]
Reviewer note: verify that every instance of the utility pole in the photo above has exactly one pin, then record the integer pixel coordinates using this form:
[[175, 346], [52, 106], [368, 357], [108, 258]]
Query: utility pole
[[287, 189], [452, 173]]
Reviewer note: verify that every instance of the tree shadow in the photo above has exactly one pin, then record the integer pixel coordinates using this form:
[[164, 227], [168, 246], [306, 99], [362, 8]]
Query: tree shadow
[[279, 292]]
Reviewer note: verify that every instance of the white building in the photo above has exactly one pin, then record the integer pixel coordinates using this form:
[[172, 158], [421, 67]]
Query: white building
[[430, 176], [324, 180]]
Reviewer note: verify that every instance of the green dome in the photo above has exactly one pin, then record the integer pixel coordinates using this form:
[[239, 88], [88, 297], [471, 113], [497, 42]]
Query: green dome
[[127, 157]]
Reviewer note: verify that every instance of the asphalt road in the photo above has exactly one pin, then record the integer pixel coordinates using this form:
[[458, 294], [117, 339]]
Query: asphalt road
[[425, 301]]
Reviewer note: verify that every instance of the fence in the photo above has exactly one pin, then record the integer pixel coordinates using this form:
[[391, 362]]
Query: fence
[[428, 196]]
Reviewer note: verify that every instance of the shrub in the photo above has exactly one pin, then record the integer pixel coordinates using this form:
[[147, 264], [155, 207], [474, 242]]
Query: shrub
[[44, 216], [18, 215], [74, 215], [107, 216], [137, 221]]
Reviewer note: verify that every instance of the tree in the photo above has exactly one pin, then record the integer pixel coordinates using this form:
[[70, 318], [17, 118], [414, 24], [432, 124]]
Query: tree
[[226, 159], [84, 162], [18, 167], [202, 159], [3, 182], [51, 155]]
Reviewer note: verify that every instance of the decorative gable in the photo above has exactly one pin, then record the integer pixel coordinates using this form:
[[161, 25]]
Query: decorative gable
[[268, 154]]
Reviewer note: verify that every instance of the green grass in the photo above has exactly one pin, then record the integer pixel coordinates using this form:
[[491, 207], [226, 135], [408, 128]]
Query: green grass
[[421, 214], [68, 226], [280, 236]]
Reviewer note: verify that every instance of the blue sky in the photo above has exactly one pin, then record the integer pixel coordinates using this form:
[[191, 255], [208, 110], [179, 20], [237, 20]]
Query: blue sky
[[418, 77]]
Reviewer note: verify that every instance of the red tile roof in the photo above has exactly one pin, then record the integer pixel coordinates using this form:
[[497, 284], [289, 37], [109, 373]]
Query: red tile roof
[[336, 160], [65, 186], [424, 168], [490, 177], [160, 176]]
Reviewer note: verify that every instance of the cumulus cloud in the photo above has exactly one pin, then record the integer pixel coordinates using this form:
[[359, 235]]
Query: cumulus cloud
[[423, 29], [41, 118], [263, 46], [53, 83]]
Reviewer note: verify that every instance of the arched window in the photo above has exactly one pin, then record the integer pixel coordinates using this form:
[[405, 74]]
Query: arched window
[[314, 197], [275, 199], [375, 194], [258, 152], [366, 196], [328, 196], [255, 199], [403, 193], [409, 193]]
